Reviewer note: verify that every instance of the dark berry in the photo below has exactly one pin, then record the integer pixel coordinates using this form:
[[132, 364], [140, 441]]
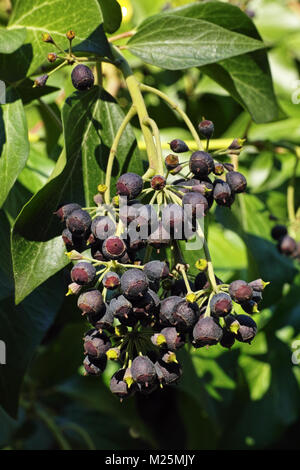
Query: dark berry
[[111, 280], [206, 129], [102, 321], [96, 344], [83, 273], [167, 308], [201, 164], [279, 231], [222, 193], [174, 340], [178, 146], [94, 366], [206, 332], [185, 315], [200, 281], [173, 219], [256, 296], [250, 306], [220, 304], [143, 370], [247, 329], [41, 81], [82, 77], [258, 285], [64, 211], [130, 185], [240, 291], [113, 247], [156, 270], [119, 387], [168, 373], [287, 245], [67, 237], [91, 302], [159, 237], [196, 203], [134, 283], [121, 307], [79, 222], [103, 227], [219, 168], [158, 182], [236, 181], [171, 161], [228, 339]]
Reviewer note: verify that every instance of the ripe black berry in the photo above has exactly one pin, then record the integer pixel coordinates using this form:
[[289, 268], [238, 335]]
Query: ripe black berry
[[113, 247], [168, 373], [96, 344], [143, 370], [83, 273], [134, 283], [94, 366], [91, 302], [279, 231], [196, 203], [240, 291], [222, 193], [111, 280], [64, 211], [102, 321], [103, 227], [178, 146], [220, 304], [247, 329], [67, 237], [130, 185], [156, 270], [158, 182], [121, 307], [174, 340], [236, 181], [206, 129], [287, 245], [82, 77], [173, 219], [167, 308], [119, 387], [159, 237], [78, 222], [206, 332], [201, 164], [185, 315], [228, 339], [258, 284]]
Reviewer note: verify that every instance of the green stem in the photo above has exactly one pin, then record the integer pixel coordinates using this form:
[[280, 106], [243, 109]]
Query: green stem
[[210, 270], [52, 426], [138, 101], [176, 108], [113, 151], [155, 131], [82, 432]]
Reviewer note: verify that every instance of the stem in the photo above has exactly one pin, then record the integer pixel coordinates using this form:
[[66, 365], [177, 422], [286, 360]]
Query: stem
[[138, 101], [52, 426], [186, 281], [99, 76], [155, 131], [113, 151], [79, 430], [210, 269], [176, 108], [127, 34]]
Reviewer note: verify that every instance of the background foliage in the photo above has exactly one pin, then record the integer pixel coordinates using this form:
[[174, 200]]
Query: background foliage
[[245, 398]]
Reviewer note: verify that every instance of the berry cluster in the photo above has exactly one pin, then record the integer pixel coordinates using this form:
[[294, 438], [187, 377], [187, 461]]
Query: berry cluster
[[141, 310], [286, 244]]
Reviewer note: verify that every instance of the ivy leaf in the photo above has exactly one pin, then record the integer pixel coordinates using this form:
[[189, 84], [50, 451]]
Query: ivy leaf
[[112, 15], [247, 78], [175, 43], [11, 40], [14, 145], [91, 120], [55, 17]]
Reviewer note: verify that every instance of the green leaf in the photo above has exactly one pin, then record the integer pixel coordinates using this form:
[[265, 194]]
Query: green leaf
[[55, 17], [247, 78], [174, 43], [14, 146], [112, 15], [258, 376], [11, 40], [90, 121]]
